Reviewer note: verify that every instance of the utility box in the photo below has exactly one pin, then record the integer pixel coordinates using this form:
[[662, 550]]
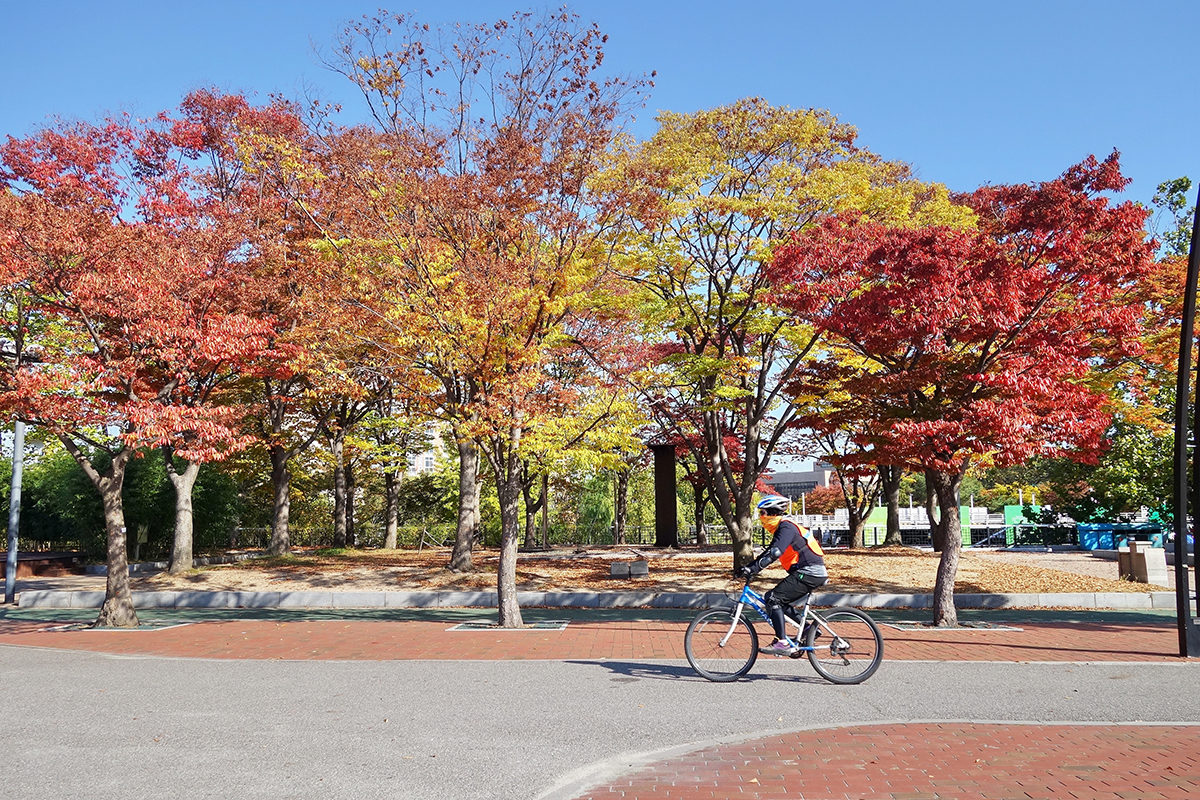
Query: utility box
[[1142, 564]]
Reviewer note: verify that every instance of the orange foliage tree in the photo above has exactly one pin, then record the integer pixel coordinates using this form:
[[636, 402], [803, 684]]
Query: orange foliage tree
[[130, 264], [476, 231], [263, 165]]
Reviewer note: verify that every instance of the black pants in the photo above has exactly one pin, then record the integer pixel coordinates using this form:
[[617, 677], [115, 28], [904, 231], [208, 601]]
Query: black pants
[[796, 586]]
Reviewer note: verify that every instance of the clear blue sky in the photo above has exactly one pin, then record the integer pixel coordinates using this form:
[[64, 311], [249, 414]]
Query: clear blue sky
[[966, 92]]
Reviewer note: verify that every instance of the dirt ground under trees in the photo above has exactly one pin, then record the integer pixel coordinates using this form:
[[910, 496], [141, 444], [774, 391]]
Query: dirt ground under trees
[[901, 570]]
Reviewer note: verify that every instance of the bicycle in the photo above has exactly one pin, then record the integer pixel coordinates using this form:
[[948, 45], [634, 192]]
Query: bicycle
[[722, 643]]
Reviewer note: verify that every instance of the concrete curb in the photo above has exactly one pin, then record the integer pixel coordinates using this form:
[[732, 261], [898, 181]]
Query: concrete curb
[[565, 599]]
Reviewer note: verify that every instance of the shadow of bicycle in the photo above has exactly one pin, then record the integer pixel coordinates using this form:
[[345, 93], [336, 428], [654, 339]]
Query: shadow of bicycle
[[629, 671]]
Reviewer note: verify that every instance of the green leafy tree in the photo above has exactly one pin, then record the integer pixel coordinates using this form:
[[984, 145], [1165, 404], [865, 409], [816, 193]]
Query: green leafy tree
[[1172, 199]]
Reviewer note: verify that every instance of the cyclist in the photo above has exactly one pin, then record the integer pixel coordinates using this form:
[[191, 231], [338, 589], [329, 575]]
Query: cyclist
[[800, 554]]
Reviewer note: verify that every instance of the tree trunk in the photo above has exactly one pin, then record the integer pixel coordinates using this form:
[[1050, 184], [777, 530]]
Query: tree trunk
[[468, 506], [531, 509], [699, 501], [742, 534], [621, 507], [947, 486], [889, 481], [858, 525], [117, 610], [181, 546], [477, 517], [281, 479], [507, 468], [337, 447], [391, 512], [545, 512], [351, 487], [937, 534]]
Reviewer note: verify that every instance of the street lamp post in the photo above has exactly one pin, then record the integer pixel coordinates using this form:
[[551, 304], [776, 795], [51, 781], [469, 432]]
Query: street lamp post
[[1185, 473], [14, 512]]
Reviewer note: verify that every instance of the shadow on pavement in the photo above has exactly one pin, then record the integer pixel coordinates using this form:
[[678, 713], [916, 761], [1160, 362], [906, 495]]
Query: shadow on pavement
[[637, 670]]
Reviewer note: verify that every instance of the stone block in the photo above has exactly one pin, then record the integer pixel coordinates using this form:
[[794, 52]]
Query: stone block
[[639, 569], [306, 599], [86, 599], [531, 599], [1142, 563], [1152, 567], [679, 600], [207, 599], [1163, 600], [1067, 599], [619, 569], [358, 600], [718, 600], [1122, 600], [994, 600], [597, 599], [411, 599], [154, 599], [468, 600], [879, 600], [259, 599], [44, 598]]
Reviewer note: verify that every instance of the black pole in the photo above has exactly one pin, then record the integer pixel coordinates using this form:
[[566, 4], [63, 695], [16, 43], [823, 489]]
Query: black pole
[[1185, 490], [14, 512], [666, 514]]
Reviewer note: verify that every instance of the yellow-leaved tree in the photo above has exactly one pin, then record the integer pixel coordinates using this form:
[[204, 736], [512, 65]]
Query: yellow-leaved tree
[[475, 227], [722, 188]]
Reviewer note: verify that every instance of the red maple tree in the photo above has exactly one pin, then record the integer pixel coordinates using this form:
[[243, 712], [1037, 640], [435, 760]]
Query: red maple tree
[[973, 342], [129, 264], [261, 164]]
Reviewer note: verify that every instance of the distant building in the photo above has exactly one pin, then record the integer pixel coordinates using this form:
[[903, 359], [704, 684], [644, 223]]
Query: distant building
[[427, 461], [794, 484]]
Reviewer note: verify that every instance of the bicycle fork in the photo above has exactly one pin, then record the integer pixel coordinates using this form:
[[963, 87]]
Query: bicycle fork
[[737, 617]]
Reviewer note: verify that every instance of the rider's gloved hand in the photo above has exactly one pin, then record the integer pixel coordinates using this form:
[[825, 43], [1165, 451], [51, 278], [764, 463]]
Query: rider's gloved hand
[[743, 572]]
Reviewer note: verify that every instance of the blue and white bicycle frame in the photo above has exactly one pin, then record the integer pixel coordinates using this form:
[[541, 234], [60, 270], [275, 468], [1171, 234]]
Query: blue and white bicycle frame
[[754, 600]]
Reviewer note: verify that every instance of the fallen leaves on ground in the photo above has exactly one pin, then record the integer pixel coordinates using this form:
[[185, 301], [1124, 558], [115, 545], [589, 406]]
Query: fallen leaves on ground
[[899, 570]]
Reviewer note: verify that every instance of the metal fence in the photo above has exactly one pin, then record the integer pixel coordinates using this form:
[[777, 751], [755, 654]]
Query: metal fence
[[417, 535]]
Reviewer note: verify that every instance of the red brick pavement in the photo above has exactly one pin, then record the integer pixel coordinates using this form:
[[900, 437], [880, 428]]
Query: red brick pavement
[[582, 639], [948, 760]]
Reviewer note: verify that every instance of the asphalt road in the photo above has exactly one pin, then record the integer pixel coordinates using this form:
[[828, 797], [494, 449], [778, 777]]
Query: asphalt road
[[98, 726]]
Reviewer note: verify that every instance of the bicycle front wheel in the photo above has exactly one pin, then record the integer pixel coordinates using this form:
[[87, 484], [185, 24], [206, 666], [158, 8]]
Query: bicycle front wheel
[[853, 651], [719, 649]]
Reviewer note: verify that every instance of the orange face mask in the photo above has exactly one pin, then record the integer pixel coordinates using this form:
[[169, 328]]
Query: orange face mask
[[769, 523]]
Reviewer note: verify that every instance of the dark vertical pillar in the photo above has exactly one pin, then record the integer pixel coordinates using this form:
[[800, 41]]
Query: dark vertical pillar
[[666, 515], [1185, 489]]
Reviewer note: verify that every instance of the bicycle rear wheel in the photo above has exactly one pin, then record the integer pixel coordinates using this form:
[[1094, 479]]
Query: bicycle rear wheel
[[719, 650], [852, 653]]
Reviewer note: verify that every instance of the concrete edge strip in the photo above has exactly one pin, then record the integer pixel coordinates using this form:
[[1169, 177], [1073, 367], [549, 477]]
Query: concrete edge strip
[[581, 780], [46, 598]]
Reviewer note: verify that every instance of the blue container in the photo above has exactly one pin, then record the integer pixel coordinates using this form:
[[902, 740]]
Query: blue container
[[1095, 535]]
